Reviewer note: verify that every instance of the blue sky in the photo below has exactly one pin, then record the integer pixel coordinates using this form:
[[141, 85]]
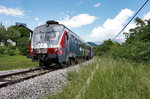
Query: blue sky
[[92, 20]]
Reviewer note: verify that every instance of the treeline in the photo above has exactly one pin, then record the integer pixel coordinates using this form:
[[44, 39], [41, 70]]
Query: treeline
[[136, 47], [18, 34]]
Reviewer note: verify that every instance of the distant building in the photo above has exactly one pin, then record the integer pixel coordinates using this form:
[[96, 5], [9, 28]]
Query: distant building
[[21, 24]]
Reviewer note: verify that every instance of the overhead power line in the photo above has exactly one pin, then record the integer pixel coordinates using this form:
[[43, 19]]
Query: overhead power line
[[130, 20]]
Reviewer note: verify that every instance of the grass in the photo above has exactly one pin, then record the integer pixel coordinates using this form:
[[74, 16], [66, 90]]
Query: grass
[[17, 61], [76, 81], [114, 79]]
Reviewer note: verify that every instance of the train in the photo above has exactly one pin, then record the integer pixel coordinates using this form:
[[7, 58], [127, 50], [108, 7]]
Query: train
[[55, 43]]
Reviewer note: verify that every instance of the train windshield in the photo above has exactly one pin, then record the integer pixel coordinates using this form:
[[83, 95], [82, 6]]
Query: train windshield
[[50, 34]]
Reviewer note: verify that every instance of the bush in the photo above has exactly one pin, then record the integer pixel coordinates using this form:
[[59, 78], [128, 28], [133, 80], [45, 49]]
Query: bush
[[137, 51], [24, 45], [2, 49], [11, 49]]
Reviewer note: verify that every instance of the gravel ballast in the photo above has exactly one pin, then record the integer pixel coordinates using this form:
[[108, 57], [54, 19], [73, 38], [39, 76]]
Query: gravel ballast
[[39, 87]]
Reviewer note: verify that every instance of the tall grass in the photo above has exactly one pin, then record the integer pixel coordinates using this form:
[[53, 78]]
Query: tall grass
[[114, 79]]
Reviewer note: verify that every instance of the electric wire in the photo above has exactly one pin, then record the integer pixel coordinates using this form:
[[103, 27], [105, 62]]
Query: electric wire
[[130, 21]]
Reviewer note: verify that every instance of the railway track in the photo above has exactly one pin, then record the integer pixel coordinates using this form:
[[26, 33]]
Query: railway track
[[16, 77]]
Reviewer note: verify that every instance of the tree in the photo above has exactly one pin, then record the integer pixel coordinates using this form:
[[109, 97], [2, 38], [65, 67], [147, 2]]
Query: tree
[[24, 31], [24, 45], [106, 45], [2, 32], [137, 46], [18, 32], [4, 35], [141, 32], [11, 49], [14, 35]]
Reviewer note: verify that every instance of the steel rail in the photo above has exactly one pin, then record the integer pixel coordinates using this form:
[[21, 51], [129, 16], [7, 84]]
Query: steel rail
[[5, 83], [20, 72]]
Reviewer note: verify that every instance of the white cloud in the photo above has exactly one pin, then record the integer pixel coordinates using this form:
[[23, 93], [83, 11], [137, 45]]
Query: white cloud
[[36, 19], [17, 12], [97, 5], [146, 16], [111, 27], [130, 26], [40, 23], [133, 25], [78, 21]]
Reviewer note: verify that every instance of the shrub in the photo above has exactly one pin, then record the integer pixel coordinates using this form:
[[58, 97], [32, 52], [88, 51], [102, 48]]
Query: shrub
[[2, 49], [24, 45], [11, 49], [137, 51]]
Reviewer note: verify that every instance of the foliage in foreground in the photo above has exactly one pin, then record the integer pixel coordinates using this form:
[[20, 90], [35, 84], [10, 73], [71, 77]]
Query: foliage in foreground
[[117, 79], [114, 79]]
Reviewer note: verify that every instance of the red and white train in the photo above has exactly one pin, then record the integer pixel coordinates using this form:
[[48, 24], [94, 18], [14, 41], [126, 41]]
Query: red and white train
[[55, 43]]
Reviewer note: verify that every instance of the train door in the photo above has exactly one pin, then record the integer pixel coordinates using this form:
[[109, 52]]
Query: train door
[[71, 43], [67, 44], [65, 47]]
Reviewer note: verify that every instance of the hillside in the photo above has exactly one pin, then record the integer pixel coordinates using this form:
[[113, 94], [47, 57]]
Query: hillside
[[92, 44]]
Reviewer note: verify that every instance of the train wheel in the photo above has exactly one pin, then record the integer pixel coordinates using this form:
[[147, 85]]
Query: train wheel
[[59, 65], [43, 64], [72, 62], [68, 63]]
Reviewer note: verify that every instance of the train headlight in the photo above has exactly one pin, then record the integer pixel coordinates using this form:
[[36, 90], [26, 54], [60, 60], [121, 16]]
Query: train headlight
[[56, 49], [31, 50]]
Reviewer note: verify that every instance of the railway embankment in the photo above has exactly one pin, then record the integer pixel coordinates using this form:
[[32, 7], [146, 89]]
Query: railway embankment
[[41, 86]]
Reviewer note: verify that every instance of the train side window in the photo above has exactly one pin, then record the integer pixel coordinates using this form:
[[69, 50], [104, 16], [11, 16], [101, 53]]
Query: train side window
[[72, 38], [67, 37], [76, 41]]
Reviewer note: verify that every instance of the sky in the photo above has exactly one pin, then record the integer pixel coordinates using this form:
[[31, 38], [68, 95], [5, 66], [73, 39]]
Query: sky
[[92, 20]]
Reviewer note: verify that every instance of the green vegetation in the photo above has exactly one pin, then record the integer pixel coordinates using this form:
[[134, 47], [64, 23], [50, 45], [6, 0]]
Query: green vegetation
[[136, 48], [11, 49], [10, 55], [117, 79], [76, 81], [24, 45], [114, 79], [15, 62], [18, 34], [2, 49]]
